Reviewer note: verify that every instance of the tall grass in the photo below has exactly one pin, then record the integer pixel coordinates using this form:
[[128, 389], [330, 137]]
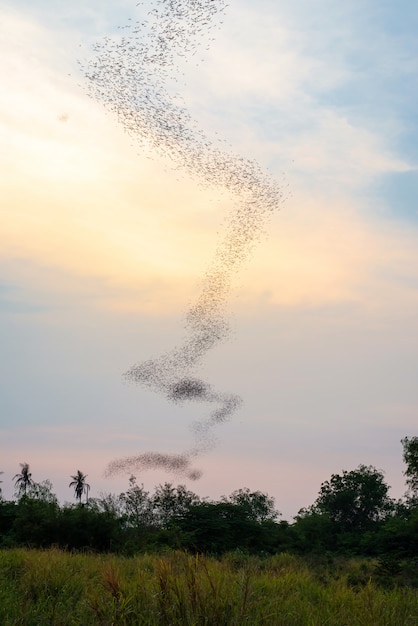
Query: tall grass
[[62, 589]]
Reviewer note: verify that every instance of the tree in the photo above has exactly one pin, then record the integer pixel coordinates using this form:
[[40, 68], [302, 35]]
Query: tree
[[314, 532], [170, 503], [259, 506], [43, 492], [37, 515], [80, 486], [410, 457], [23, 480], [137, 505], [355, 500], [85, 527], [218, 527], [110, 503]]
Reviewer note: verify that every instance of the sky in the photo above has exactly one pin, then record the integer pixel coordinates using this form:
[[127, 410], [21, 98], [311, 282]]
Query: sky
[[103, 245]]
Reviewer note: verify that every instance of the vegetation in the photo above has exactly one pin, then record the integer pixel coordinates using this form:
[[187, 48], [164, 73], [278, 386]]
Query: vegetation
[[410, 456], [23, 480], [355, 500], [352, 516], [174, 588], [80, 486], [350, 558]]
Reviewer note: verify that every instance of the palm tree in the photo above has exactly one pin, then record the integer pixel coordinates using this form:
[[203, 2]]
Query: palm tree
[[24, 479], [80, 485]]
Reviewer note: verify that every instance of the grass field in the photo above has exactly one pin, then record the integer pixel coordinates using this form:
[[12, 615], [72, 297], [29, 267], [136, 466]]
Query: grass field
[[62, 589]]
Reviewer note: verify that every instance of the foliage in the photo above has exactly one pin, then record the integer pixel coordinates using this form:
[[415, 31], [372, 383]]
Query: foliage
[[85, 528], [108, 503], [355, 500], [218, 527], [35, 523], [260, 507], [171, 503], [410, 456], [43, 491], [352, 515], [23, 480], [315, 532], [137, 505], [80, 485], [177, 589]]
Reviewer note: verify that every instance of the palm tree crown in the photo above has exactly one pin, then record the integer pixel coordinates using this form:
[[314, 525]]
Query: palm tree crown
[[80, 485], [24, 479]]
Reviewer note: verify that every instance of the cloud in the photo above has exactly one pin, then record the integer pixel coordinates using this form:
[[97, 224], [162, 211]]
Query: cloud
[[94, 211], [92, 207]]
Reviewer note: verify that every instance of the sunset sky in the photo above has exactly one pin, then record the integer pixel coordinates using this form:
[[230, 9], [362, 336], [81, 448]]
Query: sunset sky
[[103, 246]]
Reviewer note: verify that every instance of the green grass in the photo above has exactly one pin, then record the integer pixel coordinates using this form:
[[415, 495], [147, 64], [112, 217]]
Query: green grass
[[53, 587]]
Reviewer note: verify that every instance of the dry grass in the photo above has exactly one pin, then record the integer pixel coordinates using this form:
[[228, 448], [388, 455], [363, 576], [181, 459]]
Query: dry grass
[[62, 589]]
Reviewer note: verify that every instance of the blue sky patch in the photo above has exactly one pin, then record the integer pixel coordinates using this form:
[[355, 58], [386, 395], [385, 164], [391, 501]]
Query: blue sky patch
[[400, 194]]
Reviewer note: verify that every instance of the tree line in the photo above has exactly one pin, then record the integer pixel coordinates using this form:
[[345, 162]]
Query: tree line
[[352, 515]]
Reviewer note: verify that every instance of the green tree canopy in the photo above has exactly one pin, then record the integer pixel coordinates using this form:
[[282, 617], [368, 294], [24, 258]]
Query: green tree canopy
[[410, 456], [137, 505], [356, 499], [259, 506], [171, 502], [43, 491]]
